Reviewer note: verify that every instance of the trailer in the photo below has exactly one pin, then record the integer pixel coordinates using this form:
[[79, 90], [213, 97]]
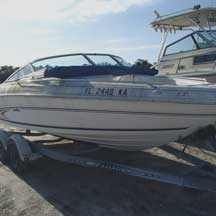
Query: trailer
[[18, 149]]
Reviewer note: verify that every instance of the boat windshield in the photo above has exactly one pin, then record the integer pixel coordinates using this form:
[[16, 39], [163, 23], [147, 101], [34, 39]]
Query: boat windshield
[[196, 40], [58, 61], [205, 39], [78, 60]]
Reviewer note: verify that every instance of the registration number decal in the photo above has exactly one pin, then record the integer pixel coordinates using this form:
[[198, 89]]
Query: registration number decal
[[106, 92]]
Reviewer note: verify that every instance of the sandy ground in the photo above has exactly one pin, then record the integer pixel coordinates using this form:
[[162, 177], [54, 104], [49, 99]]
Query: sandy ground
[[54, 188]]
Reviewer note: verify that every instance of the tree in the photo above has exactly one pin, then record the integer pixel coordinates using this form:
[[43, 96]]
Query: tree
[[143, 63], [6, 71]]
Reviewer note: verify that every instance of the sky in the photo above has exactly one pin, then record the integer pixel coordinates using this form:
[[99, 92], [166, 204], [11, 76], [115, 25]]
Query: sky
[[32, 29]]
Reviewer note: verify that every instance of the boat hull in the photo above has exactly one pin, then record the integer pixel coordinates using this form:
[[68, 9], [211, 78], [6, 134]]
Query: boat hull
[[122, 124]]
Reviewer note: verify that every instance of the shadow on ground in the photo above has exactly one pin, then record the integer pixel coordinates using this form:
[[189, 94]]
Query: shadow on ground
[[73, 190]]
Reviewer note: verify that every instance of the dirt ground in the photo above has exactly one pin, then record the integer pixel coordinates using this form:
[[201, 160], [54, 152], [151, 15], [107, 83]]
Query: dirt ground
[[55, 188]]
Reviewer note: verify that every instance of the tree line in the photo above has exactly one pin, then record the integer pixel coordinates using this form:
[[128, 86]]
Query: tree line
[[7, 70]]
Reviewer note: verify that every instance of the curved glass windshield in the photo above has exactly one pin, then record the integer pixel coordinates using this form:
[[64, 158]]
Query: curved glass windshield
[[205, 39], [102, 60], [194, 41], [39, 66], [20, 73], [184, 45], [78, 60], [61, 61], [121, 61]]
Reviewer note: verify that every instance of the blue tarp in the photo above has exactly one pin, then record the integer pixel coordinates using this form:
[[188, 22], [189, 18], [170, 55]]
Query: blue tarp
[[79, 71]]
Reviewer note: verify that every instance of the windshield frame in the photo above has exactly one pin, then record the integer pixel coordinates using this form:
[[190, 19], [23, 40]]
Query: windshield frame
[[191, 35], [119, 61], [9, 79], [87, 56]]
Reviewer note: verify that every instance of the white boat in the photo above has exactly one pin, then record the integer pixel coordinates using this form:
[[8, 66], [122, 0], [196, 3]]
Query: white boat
[[193, 55], [100, 99]]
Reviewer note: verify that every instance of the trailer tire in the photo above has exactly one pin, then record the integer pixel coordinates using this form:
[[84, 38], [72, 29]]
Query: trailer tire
[[16, 163], [3, 154]]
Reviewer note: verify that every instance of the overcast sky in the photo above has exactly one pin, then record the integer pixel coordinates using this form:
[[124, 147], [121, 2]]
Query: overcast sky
[[36, 28]]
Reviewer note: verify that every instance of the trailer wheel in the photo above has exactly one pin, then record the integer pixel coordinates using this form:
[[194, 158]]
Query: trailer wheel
[[16, 163], [3, 154]]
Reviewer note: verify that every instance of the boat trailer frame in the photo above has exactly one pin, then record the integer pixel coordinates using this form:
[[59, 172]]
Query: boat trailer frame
[[19, 151]]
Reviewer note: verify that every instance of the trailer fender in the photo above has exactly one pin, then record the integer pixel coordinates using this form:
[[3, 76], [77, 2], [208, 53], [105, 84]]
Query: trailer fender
[[4, 137], [22, 146]]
